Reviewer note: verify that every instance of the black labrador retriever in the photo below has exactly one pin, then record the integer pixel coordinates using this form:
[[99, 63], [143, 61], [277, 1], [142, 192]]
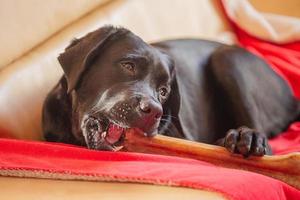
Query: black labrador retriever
[[194, 89]]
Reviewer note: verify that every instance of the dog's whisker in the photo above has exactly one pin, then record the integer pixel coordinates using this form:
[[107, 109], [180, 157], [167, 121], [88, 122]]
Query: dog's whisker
[[170, 116], [164, 120]]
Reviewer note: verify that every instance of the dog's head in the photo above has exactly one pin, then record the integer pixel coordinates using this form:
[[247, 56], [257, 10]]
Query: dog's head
[[115, 81]]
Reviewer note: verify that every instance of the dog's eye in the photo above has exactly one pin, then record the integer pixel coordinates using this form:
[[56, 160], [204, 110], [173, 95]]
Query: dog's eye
[[163, 92], [128, 66]]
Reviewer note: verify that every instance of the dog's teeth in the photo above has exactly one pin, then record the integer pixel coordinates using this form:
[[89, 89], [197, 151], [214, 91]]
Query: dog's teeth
[[117, 148], [103, 135]]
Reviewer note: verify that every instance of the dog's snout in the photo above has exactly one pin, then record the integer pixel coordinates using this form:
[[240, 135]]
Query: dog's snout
[[150, 108]]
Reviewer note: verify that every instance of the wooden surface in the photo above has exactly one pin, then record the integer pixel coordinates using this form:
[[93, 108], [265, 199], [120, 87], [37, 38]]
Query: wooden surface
[[286, 7], [44, 189], [284, 167]]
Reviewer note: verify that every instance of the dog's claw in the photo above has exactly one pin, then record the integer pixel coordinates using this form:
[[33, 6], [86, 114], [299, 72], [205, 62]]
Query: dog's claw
[[246, 142]]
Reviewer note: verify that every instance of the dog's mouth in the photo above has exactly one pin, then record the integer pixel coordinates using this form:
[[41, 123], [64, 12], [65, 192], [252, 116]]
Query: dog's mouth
[[103, 134]]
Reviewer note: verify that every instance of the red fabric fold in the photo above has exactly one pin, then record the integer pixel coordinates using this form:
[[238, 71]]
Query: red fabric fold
[[141, 168], [283, 58], [288, 141]]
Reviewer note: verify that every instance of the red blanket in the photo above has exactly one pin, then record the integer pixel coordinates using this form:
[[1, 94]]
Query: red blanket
[[37, 159]]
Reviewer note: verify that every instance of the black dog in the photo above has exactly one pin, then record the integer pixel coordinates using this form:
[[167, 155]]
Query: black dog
[[194, 89]]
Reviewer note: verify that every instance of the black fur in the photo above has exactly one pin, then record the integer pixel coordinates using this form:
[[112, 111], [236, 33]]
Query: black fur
[[215, 89]]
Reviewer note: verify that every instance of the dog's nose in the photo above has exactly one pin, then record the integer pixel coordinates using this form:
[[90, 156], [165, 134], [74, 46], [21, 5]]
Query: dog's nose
[[150, 108]]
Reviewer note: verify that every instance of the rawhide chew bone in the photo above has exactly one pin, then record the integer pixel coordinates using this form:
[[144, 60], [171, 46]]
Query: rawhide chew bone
[[282, 167]]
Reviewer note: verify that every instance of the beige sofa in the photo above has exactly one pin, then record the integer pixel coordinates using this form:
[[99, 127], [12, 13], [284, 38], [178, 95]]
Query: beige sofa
[[34, 32]]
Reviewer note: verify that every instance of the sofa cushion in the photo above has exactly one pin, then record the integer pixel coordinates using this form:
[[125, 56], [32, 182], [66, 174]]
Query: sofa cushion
[[28, 23]]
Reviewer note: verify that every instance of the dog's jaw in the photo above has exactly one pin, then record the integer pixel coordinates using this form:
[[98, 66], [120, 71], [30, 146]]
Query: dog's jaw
[[101, 134]]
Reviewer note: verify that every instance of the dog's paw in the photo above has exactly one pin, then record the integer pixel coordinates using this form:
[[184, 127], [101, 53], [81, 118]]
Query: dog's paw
[[246, 141]]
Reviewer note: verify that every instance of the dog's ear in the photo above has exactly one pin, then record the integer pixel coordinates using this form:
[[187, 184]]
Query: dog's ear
[[172, 105], [81, 53]]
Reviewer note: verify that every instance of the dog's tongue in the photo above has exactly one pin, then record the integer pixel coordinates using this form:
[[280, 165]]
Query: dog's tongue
[[114, 133]]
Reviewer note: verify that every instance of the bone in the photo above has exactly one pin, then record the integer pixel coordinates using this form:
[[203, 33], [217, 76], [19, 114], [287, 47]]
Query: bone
[[285, 168]]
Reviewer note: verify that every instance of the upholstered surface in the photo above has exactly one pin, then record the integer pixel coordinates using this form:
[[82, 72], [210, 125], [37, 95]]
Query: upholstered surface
[[29, 189], [28, 23]]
